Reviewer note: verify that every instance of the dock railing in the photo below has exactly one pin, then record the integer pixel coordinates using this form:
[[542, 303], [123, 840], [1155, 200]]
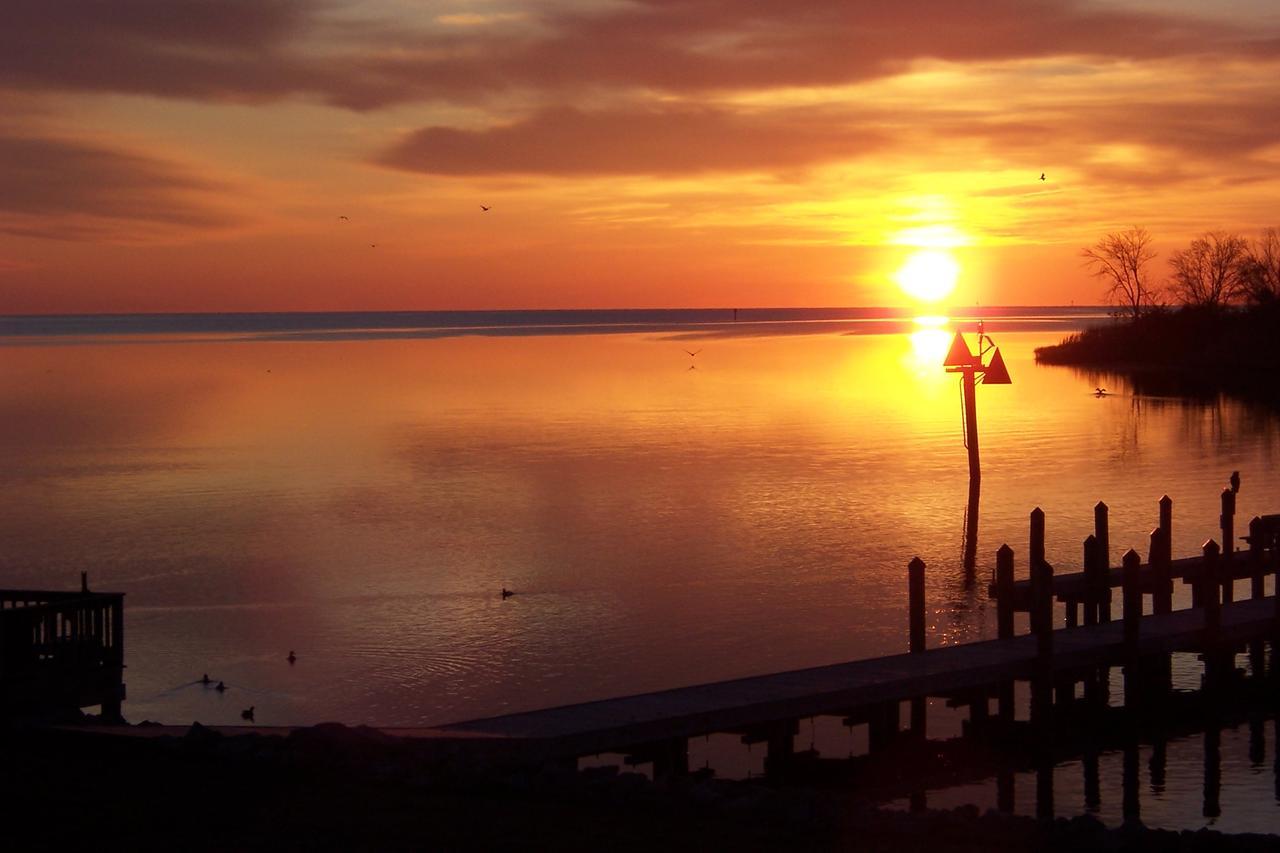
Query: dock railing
[[61, 650]]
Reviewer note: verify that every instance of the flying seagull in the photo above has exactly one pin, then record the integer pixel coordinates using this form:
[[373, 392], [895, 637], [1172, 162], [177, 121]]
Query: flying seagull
[[1042, 176], [344, 219], [693, 352], [482, 207]]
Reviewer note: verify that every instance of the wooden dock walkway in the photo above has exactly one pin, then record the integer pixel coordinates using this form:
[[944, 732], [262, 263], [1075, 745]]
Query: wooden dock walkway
[[846, 689], [768, 707]]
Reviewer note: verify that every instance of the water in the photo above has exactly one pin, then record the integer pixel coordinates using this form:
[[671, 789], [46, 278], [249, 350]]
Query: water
[[359, 488]]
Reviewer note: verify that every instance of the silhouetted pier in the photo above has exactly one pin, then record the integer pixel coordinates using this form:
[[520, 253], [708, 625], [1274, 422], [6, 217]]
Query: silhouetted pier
[[60, 651], [1054, 661]]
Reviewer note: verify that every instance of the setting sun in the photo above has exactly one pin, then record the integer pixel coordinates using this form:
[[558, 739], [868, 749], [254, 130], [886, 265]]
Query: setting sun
[[928, 275]]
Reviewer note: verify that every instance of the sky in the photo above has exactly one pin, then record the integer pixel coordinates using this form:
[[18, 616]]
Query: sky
[[201, 155]]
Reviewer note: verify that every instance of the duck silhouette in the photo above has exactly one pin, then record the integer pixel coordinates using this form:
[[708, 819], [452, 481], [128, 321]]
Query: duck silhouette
[[506, 593], [221, 688], [247, 714], [204, 679], [292, 657]]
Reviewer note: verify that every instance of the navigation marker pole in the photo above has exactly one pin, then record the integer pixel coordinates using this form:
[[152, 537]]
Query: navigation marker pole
[[972, 371]]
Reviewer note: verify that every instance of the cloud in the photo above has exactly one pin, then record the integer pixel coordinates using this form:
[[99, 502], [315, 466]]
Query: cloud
[[68, 189], [566, 141], [258, 50], [202, 49]]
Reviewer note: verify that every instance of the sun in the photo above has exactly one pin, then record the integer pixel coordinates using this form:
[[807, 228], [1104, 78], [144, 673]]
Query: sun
[[928, 275]]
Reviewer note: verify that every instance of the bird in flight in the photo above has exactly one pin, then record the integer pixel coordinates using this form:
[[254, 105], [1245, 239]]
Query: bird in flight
[[373, 245], [344, 219], [482, 207], [1042, 176], [693, 352]]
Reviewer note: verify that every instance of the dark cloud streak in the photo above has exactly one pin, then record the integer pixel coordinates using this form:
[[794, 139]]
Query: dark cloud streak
[[257, 50], [566, 141], [46, 180]]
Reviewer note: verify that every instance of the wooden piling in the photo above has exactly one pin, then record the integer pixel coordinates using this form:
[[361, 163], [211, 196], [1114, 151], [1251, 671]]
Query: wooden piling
[[1100, 532], [915, 604], [1004, 592], [915, 578], [1132, 610], [1209, 591], [1226, 575], [1092, 583], [1132, 587], [1041, 623], [1162, 596], [1004, 623], [1257, 567], [1035, 555], [1042, 607]]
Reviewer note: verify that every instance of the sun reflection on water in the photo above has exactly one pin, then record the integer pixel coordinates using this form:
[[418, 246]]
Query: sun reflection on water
[[929, 343]]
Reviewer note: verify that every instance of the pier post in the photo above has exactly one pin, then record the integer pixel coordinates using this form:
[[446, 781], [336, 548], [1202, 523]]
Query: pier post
[[1091, 580], [1162, 597], [1257, 567], [1209, 586], [1132, 610], [1257, 589], [915, 604], [1041, 623], [1226, 574], [1100, 533], [915, 576], [1132, 590], [1160, 669], [1004, 622], [1041, 594], [1004, 592]]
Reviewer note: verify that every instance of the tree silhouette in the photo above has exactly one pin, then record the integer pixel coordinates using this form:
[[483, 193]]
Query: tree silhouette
[[1209, 272], [1260, 274], [1120, 259]]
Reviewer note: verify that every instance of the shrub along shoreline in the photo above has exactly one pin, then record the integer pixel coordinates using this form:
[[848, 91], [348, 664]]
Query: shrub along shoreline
[[1189, 351]]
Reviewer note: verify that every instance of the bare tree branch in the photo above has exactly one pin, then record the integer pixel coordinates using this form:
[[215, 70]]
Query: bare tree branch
[[1261, 271], [1210, 272], [1120, 260]]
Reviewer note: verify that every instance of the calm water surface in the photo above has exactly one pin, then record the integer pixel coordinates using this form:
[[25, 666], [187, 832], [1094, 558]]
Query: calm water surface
[[363, 498]]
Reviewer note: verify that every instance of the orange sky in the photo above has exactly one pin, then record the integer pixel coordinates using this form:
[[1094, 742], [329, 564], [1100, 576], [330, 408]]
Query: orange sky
[[158, 155]]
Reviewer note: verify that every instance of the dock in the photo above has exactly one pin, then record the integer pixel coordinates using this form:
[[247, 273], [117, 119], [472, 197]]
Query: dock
[[61, 651], [1055, 661]]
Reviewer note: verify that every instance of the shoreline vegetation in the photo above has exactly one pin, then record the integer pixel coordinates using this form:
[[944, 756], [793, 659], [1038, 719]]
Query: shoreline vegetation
[[1191, 351], [1222, 337]]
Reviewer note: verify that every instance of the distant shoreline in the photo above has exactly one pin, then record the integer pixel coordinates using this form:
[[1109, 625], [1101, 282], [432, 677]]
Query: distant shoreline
[[370, 325], [1187, 352]]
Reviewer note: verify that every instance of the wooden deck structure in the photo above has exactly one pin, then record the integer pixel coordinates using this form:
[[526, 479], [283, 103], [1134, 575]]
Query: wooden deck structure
[[767, 708], [61, 651]]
